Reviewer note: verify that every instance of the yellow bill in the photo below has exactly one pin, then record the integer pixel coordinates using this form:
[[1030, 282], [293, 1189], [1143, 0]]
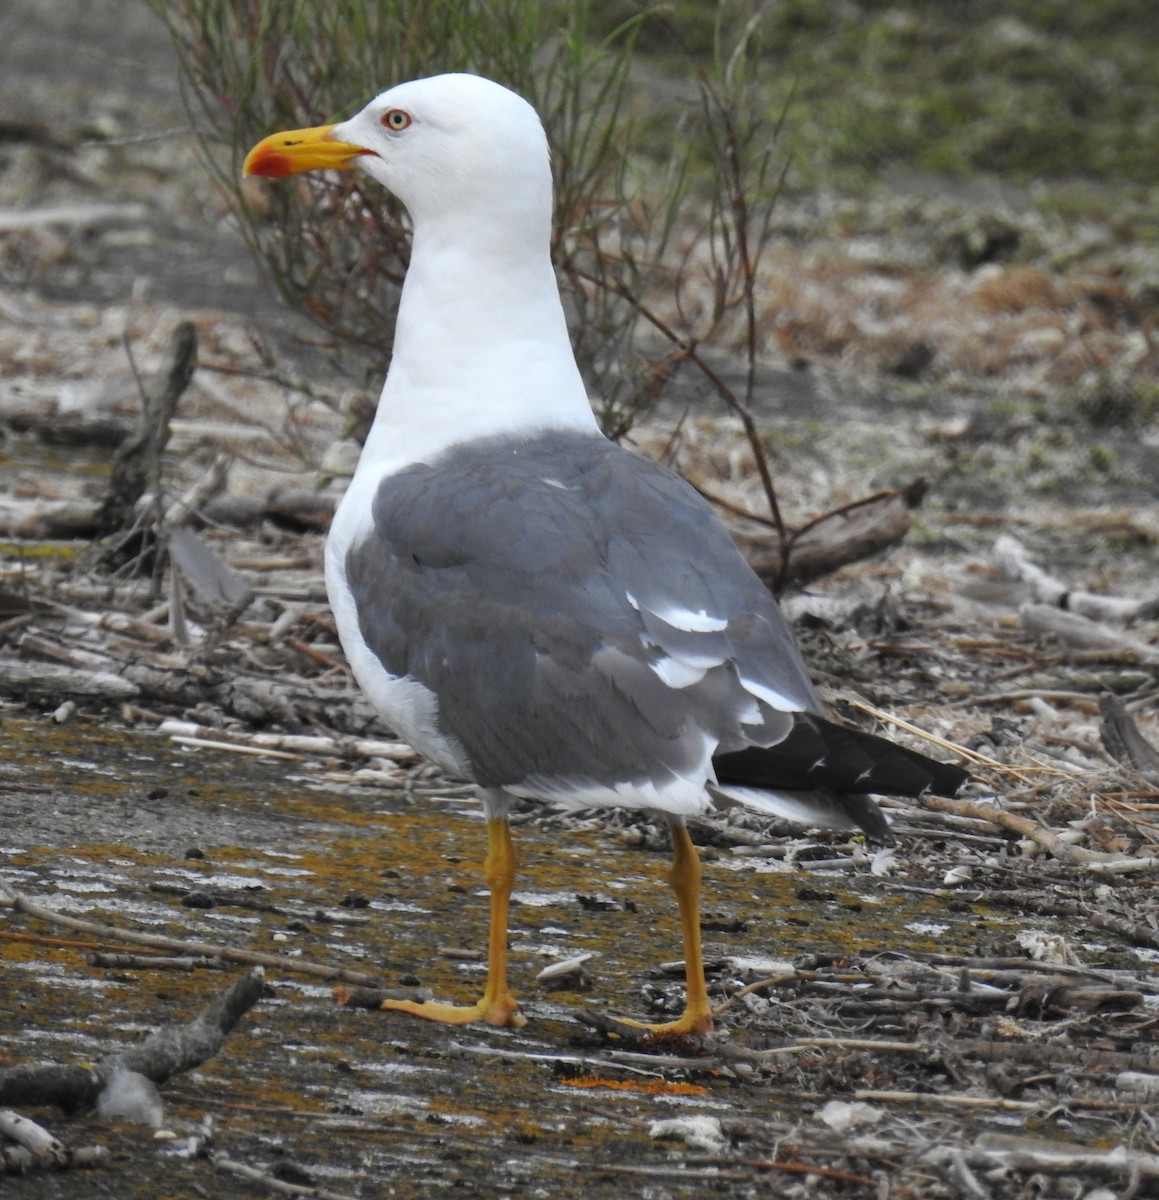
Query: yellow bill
[[299, 150]]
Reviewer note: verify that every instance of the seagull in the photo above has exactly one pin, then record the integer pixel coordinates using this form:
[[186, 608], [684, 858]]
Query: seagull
[[533, 607]]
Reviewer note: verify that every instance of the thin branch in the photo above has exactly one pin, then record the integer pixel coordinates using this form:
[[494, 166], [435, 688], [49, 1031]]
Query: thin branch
[[689, 348]]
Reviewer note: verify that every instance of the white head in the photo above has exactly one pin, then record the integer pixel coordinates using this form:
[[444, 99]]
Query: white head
[[481, 345], [456, 145]]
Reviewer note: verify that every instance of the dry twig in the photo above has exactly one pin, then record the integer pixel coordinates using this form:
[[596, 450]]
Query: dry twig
[[168, 1051]]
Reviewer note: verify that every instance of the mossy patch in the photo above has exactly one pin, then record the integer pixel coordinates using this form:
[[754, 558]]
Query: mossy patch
[[1049, 90]]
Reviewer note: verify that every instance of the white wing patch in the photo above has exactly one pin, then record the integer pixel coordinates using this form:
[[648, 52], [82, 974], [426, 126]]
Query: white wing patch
[[679, 673], [688, 621], [698, 660], [683, 661], [772, 698], [750, 714]]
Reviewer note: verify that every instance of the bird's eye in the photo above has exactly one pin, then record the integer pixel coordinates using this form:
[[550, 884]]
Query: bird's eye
[[396, 120]]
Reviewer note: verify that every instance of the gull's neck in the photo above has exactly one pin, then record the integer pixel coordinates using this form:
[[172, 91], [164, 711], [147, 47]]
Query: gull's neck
[[481, 347]]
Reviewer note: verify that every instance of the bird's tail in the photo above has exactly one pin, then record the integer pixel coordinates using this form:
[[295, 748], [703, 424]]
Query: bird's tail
[[822, 773]]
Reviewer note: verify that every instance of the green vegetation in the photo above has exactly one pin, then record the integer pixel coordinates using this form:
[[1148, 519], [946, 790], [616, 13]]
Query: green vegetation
[[1037, 90], [1108, 401]]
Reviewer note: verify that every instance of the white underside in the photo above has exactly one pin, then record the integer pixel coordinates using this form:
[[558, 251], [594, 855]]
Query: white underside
[[409, 708], [786, 805], [684, 796]]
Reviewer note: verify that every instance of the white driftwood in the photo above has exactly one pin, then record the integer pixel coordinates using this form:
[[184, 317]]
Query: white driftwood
[[14, 219], [118, 623], [38, 519], [47, 416], [212, 483], [38, 646], [28, 1134], [1013, 561], [288, 743], [16, 1160], [568, 968], [271, 1182], [1083, 633], [1018, 1153], [49, 679], [295, 507]]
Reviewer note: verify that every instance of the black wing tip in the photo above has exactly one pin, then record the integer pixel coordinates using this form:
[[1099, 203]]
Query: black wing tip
[[946, 779], [866, 813], [819, 753]]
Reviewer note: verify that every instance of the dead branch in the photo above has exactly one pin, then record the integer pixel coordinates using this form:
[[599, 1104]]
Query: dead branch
[[33, 644], [83, 215], [1124, 742], [40, 520], [28, 1134], [836, 539], [53, 681], [137, 465], [272, 1182], [1006, 970], [948, 1098], [289, 508], [212, 483], [1135, 932], [1085, 634], [150, 962], [1046, 998], [1013, 561], [168, 1051], [1060, 1055], [294, 744], [687, 348], [16, 1160], [1019, 1153], [42, 417], [1023, 826], [174, 1049], [170, 681]]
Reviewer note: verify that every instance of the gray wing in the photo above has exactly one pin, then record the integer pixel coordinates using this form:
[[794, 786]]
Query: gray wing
[[578, 612]]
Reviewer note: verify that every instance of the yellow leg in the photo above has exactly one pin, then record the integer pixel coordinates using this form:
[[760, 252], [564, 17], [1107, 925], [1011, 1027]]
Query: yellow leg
[[684, 876], [497, 1006]]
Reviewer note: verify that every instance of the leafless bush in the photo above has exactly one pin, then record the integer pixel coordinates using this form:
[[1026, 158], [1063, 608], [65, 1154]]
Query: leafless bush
[[657, 249]]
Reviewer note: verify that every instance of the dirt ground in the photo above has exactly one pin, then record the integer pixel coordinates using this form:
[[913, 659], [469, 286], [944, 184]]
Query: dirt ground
[[972, 1013]]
